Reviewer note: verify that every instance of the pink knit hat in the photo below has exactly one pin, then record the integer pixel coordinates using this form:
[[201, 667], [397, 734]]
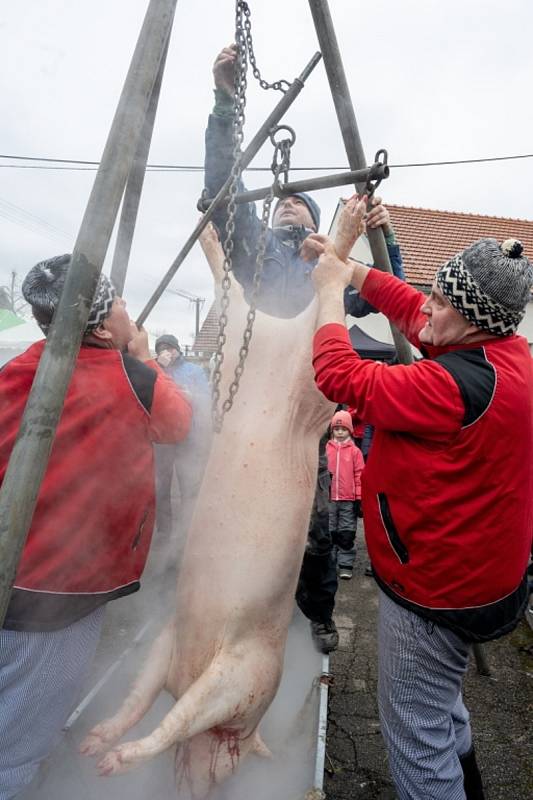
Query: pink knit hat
[[343, 419]]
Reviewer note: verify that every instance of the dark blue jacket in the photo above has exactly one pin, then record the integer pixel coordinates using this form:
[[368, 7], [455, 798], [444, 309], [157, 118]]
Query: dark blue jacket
[[286, 287]]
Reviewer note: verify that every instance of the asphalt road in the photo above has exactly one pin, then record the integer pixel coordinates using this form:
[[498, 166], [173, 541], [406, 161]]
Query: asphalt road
[[501, 706]]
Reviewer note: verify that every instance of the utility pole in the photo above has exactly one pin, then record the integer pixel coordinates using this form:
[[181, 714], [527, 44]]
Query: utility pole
[[192, 298]]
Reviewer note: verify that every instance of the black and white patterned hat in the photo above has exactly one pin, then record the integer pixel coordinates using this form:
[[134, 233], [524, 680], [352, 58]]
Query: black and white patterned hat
[[489, 284], [42, 289]]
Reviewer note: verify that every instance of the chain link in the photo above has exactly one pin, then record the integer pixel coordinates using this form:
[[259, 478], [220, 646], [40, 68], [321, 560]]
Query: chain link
[[281, 85], [239, 104], [280, 164]]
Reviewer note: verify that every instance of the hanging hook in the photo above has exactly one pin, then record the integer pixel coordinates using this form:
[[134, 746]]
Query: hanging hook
[[379, 169]]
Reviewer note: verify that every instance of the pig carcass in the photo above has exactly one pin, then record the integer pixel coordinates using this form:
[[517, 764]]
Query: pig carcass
[[222, 655]]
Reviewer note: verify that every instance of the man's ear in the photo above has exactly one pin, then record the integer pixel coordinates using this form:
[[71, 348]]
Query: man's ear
[[102, 333]]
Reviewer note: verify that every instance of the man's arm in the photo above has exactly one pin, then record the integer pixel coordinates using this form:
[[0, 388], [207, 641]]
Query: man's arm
[[421, 399], [169, 408], [399, 302], [219, 160]]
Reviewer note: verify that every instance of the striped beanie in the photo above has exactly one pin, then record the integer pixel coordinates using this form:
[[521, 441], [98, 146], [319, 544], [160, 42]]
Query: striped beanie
[[489, 284], [42, 289]]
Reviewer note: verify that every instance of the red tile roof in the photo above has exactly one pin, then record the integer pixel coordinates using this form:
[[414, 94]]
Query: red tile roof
[[206, 341], [429, 238]]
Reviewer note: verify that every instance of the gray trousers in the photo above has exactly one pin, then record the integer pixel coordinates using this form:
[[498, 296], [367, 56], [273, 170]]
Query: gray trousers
[[343, 527], [41, 677], [423, 719]]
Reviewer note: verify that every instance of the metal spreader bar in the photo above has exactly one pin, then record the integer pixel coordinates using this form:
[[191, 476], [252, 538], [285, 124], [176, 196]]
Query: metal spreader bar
[[376, 172]]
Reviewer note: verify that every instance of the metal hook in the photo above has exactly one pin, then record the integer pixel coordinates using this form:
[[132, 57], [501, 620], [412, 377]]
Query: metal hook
[[373, 183], [276, 130]]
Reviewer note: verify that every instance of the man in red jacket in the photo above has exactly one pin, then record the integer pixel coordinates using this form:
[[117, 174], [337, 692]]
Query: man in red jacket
[[447, 501], [93, 521]]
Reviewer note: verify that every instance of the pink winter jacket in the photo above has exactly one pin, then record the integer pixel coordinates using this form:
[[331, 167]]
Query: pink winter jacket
[[345, 463]]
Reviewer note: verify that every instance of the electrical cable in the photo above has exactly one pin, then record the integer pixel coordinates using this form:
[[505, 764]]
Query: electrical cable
[[197, 168]]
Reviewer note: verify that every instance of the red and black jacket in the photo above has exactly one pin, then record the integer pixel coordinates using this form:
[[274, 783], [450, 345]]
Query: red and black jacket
[[94, 517], [448, 486]]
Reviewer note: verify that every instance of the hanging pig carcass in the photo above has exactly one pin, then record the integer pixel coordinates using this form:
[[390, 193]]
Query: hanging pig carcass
[[221, 656]]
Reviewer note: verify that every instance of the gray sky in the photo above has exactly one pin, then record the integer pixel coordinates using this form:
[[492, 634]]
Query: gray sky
[[430, 81]]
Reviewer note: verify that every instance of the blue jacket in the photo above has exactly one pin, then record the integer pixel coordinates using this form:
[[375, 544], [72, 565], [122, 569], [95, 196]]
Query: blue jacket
[[192, 379], [286, 287]]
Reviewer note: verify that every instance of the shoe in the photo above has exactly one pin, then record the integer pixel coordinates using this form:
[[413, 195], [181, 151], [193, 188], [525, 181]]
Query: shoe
[[345, 573], [473, 784], [369, 572], [325, 636]]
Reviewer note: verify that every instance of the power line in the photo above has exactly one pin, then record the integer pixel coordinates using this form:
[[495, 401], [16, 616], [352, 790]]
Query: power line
[[93, 165], [30, 222]]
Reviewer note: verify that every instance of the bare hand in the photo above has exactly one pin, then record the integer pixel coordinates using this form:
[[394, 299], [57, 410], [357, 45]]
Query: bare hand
[[164, 358], [350, 226], [224, 69], [331, 272], [378, 216], [313, 246], [138, 346]]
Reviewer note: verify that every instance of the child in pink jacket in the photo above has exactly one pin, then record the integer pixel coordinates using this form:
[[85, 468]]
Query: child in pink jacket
[[345, 463]]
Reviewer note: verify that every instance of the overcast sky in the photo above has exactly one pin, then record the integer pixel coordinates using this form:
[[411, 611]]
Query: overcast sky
[[430, 81]]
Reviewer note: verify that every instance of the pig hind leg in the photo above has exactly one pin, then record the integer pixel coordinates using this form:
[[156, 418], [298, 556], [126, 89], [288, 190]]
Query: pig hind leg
[[228, 695], [144, 691]]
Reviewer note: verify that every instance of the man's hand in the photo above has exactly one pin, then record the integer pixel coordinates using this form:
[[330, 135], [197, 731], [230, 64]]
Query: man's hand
[[331, 274], [378, 216], [138, 345], [350, 226], [164, 358], [224, 69], [313, 246]]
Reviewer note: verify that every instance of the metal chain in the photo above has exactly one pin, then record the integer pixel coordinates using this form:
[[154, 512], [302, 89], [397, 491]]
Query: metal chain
[[243, 41], [239, 104], [281, 85], [280, 165]]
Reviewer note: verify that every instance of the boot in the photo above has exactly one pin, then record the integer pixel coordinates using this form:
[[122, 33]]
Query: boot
[[472, 777], [325, 636]]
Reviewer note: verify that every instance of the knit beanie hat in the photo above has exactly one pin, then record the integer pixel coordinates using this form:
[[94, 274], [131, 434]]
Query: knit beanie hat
[[342, 419], [489, 284], [42, 289], [312, 205], [169, 340]]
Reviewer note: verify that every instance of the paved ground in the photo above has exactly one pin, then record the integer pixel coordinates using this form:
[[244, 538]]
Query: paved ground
[[356, 767], [501, 706]]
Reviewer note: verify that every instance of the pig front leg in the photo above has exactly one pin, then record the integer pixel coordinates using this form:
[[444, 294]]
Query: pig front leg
[[144, 691], [228, 700]]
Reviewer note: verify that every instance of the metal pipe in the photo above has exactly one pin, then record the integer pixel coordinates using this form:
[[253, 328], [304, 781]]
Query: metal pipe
[[375, 172], [255, 145], [352, 141], [29, 458], [134, 186]]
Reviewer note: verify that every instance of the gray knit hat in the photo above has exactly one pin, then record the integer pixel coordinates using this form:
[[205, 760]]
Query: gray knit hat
[[489, 284], [42, 289]]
